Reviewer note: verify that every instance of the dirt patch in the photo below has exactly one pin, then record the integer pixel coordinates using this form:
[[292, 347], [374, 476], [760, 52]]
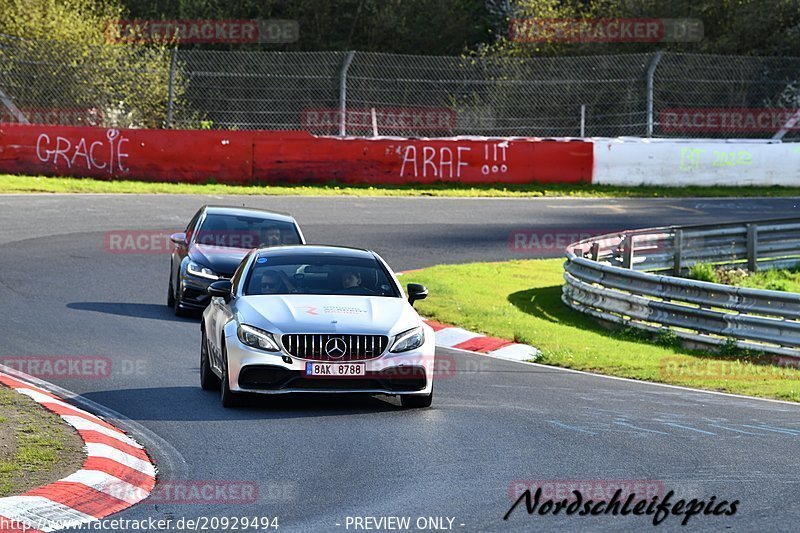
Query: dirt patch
[[36, 446]]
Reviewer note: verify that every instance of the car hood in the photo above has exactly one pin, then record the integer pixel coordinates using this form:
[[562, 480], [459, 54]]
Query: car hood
[[220, 259], [296, 313]]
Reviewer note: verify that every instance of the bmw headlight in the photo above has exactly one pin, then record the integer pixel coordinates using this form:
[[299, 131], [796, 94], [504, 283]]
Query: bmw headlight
[[257, 338], [408, 340], [200, 271]]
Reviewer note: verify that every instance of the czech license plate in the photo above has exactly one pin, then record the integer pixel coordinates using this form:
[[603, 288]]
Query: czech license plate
[[336, 369]]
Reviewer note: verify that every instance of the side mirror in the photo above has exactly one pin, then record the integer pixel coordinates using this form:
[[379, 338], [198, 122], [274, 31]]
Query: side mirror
[[178, 238], [416, 292], [221, 289]]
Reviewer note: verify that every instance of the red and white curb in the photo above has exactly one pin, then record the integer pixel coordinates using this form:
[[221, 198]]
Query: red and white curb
[[469, 341], [117, 473], [461, 339]]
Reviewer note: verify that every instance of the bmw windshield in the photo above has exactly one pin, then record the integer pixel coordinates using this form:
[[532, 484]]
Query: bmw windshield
[[319, 274]]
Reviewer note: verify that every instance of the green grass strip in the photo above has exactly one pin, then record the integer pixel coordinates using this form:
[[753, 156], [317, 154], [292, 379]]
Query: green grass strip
[[521, 300], [10, 184]]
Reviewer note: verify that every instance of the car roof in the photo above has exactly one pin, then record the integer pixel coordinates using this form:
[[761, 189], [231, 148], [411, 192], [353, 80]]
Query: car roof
[[247, 211], [312, 249]]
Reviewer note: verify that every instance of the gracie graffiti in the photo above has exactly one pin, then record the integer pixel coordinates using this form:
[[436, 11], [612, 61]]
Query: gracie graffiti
[[107, 155]]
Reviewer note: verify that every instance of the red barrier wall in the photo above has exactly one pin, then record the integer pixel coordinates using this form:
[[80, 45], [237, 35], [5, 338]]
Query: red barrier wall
[[153, 155], [275, 156], [400, 161]]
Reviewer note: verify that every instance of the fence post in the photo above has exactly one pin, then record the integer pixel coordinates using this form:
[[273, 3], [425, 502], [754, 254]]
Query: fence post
[[171, 99], [651, 72], [595, 250], [752, 247], [343, 92], [583, 120], [677, 246]]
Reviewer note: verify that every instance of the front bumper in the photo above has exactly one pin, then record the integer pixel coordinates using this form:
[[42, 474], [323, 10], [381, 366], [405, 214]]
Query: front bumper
[[251, 370], [193, 292]]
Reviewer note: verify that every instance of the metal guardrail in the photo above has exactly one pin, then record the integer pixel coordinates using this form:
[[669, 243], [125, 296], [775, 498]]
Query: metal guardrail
[[631, 278]]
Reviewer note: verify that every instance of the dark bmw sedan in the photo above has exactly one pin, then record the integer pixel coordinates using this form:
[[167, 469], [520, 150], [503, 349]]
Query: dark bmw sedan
[[213, 245]]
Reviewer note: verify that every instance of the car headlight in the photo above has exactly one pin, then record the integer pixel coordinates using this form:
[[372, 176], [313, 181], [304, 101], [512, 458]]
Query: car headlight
[[200, 271], [408, 340], [257, 338]]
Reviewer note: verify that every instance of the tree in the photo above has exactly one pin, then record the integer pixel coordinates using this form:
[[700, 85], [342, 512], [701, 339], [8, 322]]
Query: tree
[[742, 27], [59, 55]]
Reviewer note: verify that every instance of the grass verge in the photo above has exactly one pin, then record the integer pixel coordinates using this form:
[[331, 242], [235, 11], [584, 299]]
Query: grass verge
[[521, 300], [10, 184], [36, 446]]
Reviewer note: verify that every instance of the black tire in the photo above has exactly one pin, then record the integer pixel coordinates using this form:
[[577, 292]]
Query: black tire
[[170, 292], [228, 397], [208, 380], [416, 402], [176, 305]]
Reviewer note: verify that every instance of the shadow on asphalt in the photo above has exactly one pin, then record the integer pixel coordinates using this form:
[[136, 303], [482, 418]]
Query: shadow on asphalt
[[195, 404], [151, 311]]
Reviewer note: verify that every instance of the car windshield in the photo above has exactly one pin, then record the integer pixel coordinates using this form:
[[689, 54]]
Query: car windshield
[[319, 274], [233, 231]]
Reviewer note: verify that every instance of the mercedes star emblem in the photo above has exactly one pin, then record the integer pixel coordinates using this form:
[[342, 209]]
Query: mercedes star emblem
[[335, 348]]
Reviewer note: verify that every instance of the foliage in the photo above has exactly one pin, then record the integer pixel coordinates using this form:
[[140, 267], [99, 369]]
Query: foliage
[[703, 272], [787, 280], [69, 42], [744, 27], [443, 27], [732, 275]]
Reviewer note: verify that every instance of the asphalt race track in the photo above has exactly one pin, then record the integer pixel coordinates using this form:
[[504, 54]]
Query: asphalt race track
[[316, 462]]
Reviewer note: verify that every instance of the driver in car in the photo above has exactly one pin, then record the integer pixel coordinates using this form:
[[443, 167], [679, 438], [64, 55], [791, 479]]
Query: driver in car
[[352, 283], [276, 282], [271, 236]]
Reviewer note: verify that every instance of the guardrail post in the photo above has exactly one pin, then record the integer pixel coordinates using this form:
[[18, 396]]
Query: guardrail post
[[595, 250], [752, 247], [627, 252], [677, 245]]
